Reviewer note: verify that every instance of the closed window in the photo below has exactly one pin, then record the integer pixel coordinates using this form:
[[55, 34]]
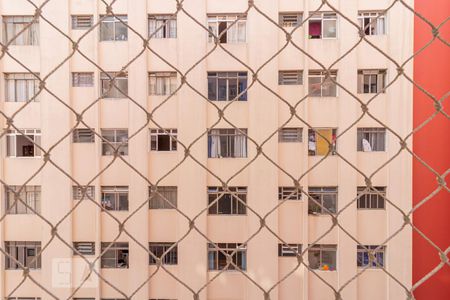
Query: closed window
[[290, 135], [325, 200], [320, 85], [161, 250], [370, 256], [12, 25], [114, 85], [373, 23], [373, 198], [84, 248], [322, 257], [289, 193], [82, 79], [165, 197], [115, 198], [23, 144], [83, 135], [321, 141], [217, 259], [82, 21], [162, 83], [371, 139], [290, 19], [226, 86], [29, 194], [26, 254], [21, 87], [292, 77], [117, 139], [323, 26], [116, 256], [371, 81], [79, 194], [227, 29], [162, 26], [113, 28], [223, 143], [230, 202], [289, 250], [163, 139]]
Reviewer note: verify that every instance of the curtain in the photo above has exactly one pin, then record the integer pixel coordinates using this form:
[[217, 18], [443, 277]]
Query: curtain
[[380, 26], [214, 144], [241, 31], [232, 33], [172, 28], [240, 145]]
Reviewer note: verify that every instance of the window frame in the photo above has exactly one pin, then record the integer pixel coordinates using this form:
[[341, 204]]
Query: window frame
[[294, 135], [79, 246], [285, 77], [321, 248], [170, 258], [167, 29], [285, 251], [114, 91], [13, 248], [155, 133], [230, 139], [116, 192], [363, 254], [83, 138], [371, 15], [115, 248], [322, 191], [77, 194], [11, 137], [315, 139], [158, 201], [124, 145], [214, 22], [213, 256], [236, 207], [370, 131], [367, 198], [32, 31], [83, 25], [321, 74], [289, 193], [82, 79], [316, 16], [27, 79], [285, 24], [169, 83], [31, 194], [215, 78], [115, 22], [380, 84]]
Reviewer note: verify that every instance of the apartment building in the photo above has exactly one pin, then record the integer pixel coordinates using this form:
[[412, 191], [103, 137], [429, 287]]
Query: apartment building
[[255, 160]]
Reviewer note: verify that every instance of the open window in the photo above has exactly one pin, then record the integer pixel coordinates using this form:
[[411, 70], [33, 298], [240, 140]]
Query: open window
[[320, 140], [224, 143], [371, 81], [371, 139], [115, 198], [23, 144], [159, 249], [217, 260], [163, 139], [373, 23], [322, 200], [227, 203], [116, 256], [236, 33], [323, 26]]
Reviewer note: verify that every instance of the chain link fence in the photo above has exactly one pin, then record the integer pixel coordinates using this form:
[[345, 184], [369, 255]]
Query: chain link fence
[[186, 146]]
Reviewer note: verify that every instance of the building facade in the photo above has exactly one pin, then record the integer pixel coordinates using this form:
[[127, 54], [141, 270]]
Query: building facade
[[228, 156]]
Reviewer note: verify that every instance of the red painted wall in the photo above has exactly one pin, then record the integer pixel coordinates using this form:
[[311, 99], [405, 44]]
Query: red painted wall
[[432, 144]]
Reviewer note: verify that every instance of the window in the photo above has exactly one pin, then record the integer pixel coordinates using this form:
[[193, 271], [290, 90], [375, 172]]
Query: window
[[30, 194], [12, 25], [77, 192], [162, 83], [26, 253], [371, 139], [226, 86], [289, 193], [371, 199], [114, 84], [371, 81], [115, 198], [218, 25], [290, 135], [21, 87], [320, 85], [164, 198], [27, 298], [23, 145], [163, 139], [227, 202], [373, 23], [293, 77], [159, 249], [289, 250], [116, 256], [84, 248], [218, 261], [224, 143], [322, 257], [117, 138], [82, 21], [82, 79], [326, 200], [323, 26], [162, 26], [290, 19], [112, 28], [83, 135], [319, 141], [373, 260]]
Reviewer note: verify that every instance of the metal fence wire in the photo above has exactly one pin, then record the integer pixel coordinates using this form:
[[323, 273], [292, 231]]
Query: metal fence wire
[[187, 145]]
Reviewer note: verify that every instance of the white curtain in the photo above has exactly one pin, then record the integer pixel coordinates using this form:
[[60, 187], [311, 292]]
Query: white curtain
[[214, 144], [172, 28], [240, 146]]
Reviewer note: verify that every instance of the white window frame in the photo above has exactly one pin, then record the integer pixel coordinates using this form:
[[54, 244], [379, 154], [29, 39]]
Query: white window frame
[[116, 192], [82, 22], [381, 76], [155, 133], [323, 81], [322, 16], [31, 194], [290, 24], [84, 248], [228, 248], [290, 77], [372, 132], [232, 136], [82, 79], [289, 193], [237, 208], [313, 137], [20, 251], [163, 196], [321, 248], [290, 135], [162, 83], [214, 25], [163, 25], [372, 15], [31, 85], [83, 136], [115, 143], [360, 251], [112, 92], [238, 77], [118, 249], [11, 137], [367, 196], [290, 250], [321, 191], [115, 21], [78, 195], [158, 249], [31, 33]]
